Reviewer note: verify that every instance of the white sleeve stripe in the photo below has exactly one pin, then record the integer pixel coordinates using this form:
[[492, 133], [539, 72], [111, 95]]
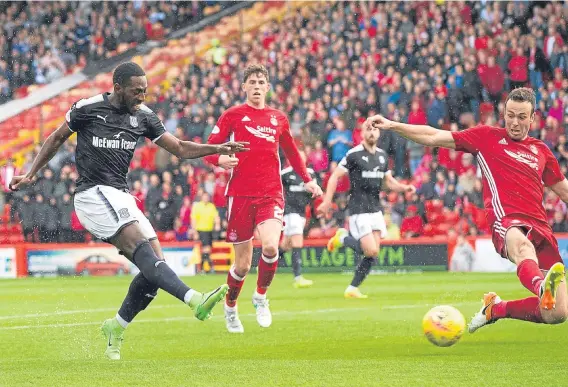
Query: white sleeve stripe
[[157, 138], [89, 101], [72, 131], [342, 167]]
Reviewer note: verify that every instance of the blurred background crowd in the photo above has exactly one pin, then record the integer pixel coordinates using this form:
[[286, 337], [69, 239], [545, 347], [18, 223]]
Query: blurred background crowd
[[445, 64]]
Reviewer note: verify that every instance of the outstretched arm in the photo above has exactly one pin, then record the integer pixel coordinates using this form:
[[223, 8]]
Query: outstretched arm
[[48, 150], [421, 134], [394, 185], [193, 150], [330, 190]]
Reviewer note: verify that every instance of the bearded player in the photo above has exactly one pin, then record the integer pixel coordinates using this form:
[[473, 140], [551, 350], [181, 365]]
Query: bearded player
[[367, 166], [515, 168], [255, 190]]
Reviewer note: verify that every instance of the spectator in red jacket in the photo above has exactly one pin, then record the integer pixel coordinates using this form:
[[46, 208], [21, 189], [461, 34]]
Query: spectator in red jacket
[[318, 158], [185, 211], [417, 116], [138, 195], [518, 67], [492, 78], [219, 198], [342, 183], [412, 224]]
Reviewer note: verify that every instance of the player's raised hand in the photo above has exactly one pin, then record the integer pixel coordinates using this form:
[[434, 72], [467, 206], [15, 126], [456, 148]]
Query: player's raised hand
[[228, 161], [20, 181], [378, 121], [313, 188], [231, 147]]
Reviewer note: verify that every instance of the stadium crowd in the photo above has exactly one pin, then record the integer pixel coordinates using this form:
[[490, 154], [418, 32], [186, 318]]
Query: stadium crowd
[[43, 41], [448, 65]]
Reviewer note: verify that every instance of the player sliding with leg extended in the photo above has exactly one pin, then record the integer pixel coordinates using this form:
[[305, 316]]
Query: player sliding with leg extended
[[255, 189], [108, 127], [515, 168], [367, 166], [294, 220]]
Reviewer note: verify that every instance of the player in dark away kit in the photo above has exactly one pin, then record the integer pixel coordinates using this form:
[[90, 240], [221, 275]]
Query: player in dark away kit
[[108, 127]]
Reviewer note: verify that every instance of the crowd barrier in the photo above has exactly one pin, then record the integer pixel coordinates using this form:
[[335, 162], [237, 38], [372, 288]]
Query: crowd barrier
[[420, 254]]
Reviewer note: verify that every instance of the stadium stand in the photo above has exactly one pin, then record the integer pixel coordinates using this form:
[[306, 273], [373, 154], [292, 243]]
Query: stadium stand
[[446, 64], [43, 41]]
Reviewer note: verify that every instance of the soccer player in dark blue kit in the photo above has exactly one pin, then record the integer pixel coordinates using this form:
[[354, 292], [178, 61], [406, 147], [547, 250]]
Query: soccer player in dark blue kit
[[108, 127]]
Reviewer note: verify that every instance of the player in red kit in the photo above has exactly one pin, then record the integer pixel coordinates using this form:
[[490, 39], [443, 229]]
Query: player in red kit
[[255, 189], [515, 169]]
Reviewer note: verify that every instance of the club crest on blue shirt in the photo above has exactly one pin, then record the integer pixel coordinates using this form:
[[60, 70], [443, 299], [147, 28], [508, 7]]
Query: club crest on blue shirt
[[133, 122]]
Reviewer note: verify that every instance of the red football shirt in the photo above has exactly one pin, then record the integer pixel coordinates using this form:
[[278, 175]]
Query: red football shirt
[[514, 172], [258, 171]]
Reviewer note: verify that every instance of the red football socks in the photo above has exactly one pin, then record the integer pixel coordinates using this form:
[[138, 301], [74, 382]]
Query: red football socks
[[527, 309], [266, 269], [530, 275], [235, 283]]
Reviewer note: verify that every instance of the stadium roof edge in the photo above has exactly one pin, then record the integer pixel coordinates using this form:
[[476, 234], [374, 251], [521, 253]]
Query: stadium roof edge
[[40, 95]]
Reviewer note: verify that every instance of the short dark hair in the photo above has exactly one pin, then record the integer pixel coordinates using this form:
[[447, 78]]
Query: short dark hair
[[255, 69], [125, 71], [523, 94]]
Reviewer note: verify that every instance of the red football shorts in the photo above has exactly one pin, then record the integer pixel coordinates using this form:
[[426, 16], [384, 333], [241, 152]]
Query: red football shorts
[[245, 213], [539, 234]]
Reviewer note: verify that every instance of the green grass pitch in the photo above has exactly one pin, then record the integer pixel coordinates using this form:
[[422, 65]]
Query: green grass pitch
[[49, 335]]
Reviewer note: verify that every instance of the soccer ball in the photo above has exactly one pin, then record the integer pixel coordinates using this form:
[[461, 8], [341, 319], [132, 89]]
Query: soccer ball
[[443, 325]]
